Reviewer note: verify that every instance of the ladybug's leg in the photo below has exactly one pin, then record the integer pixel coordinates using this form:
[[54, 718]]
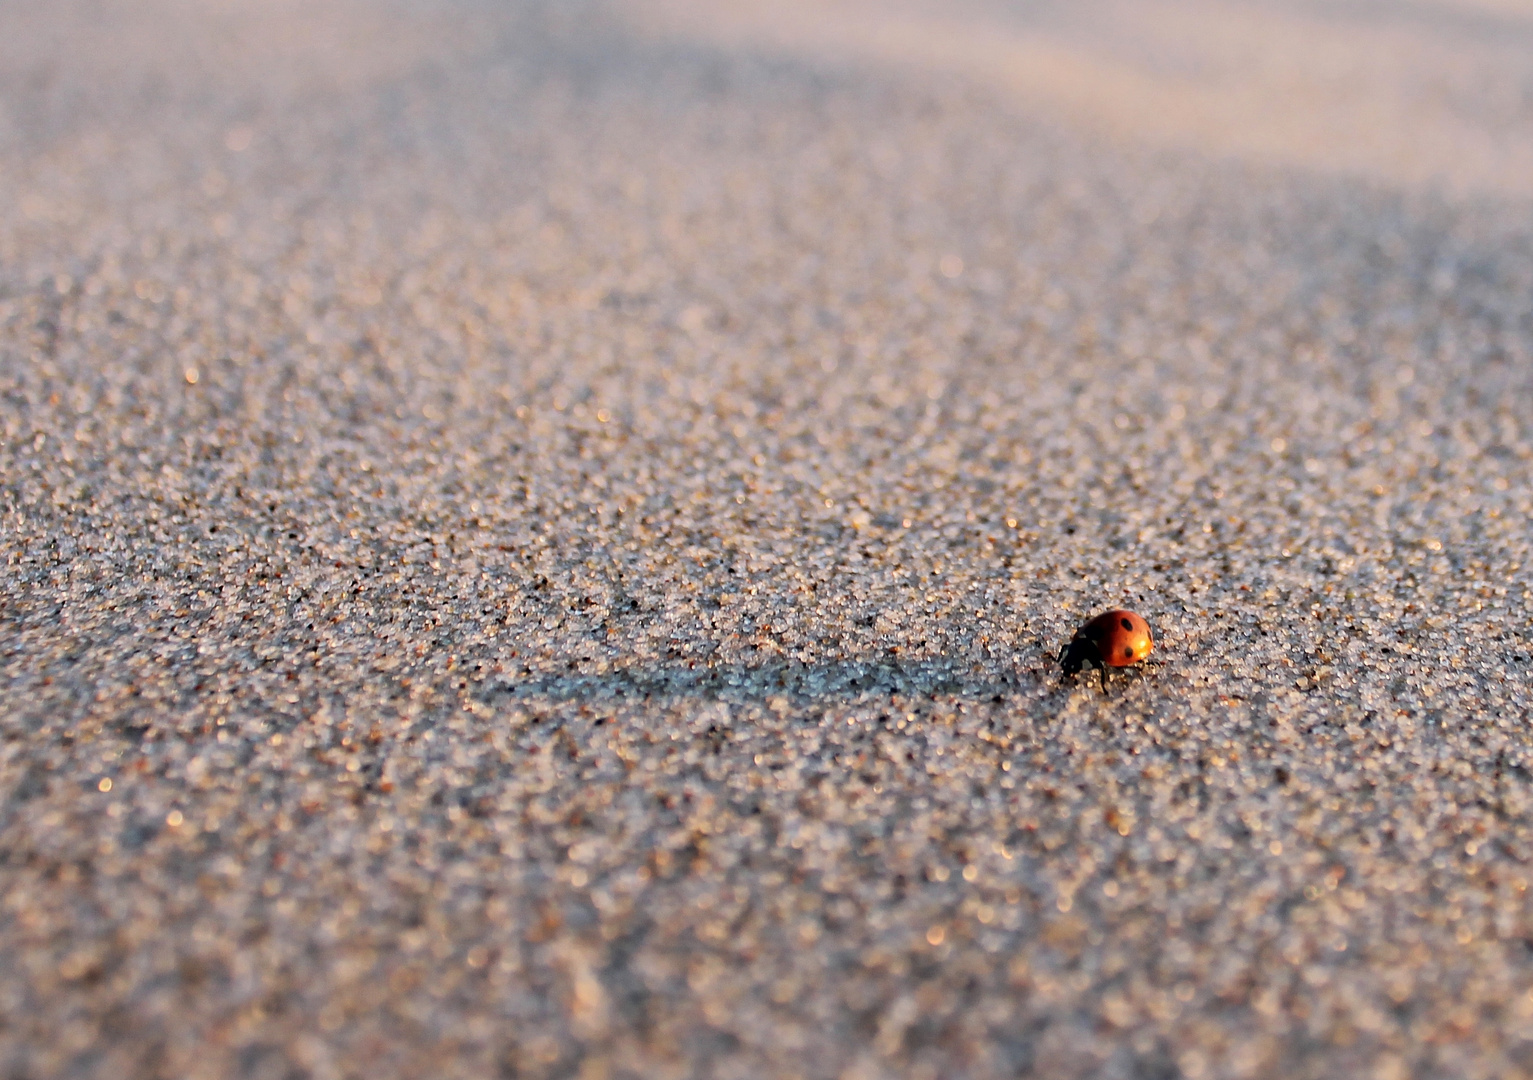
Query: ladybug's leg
[[1103, 669]]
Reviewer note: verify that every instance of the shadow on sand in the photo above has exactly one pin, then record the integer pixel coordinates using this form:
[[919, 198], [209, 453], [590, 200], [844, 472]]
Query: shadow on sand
[[800, 683]]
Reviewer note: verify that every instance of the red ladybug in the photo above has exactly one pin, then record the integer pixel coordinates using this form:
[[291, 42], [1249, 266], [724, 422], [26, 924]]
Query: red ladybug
[[1112, 639]]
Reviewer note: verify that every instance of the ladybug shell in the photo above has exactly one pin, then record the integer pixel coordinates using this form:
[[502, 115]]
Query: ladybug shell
[[1121, 637]]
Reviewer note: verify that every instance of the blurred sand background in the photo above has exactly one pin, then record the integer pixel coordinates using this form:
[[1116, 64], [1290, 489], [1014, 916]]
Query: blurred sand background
[[1429, 94]]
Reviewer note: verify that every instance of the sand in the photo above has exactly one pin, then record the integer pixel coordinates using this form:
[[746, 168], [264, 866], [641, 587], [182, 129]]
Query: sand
[[535, 544]]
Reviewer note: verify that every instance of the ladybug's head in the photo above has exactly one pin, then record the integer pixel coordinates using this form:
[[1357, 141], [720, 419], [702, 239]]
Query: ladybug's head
[[1078, 653]]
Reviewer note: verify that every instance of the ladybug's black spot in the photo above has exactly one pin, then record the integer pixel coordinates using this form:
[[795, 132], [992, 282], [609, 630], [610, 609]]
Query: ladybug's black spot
[[1128, 652], [1127, 625]]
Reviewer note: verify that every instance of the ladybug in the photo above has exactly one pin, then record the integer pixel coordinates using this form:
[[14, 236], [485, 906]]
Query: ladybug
[[1112, 639]]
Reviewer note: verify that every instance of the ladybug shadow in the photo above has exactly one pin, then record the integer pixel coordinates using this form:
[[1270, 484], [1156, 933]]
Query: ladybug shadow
[[809, 684], [1121, 678], [799, 682]]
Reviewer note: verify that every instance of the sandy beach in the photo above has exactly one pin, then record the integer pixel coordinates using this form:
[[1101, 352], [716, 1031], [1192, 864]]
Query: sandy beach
[[536, 538]]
